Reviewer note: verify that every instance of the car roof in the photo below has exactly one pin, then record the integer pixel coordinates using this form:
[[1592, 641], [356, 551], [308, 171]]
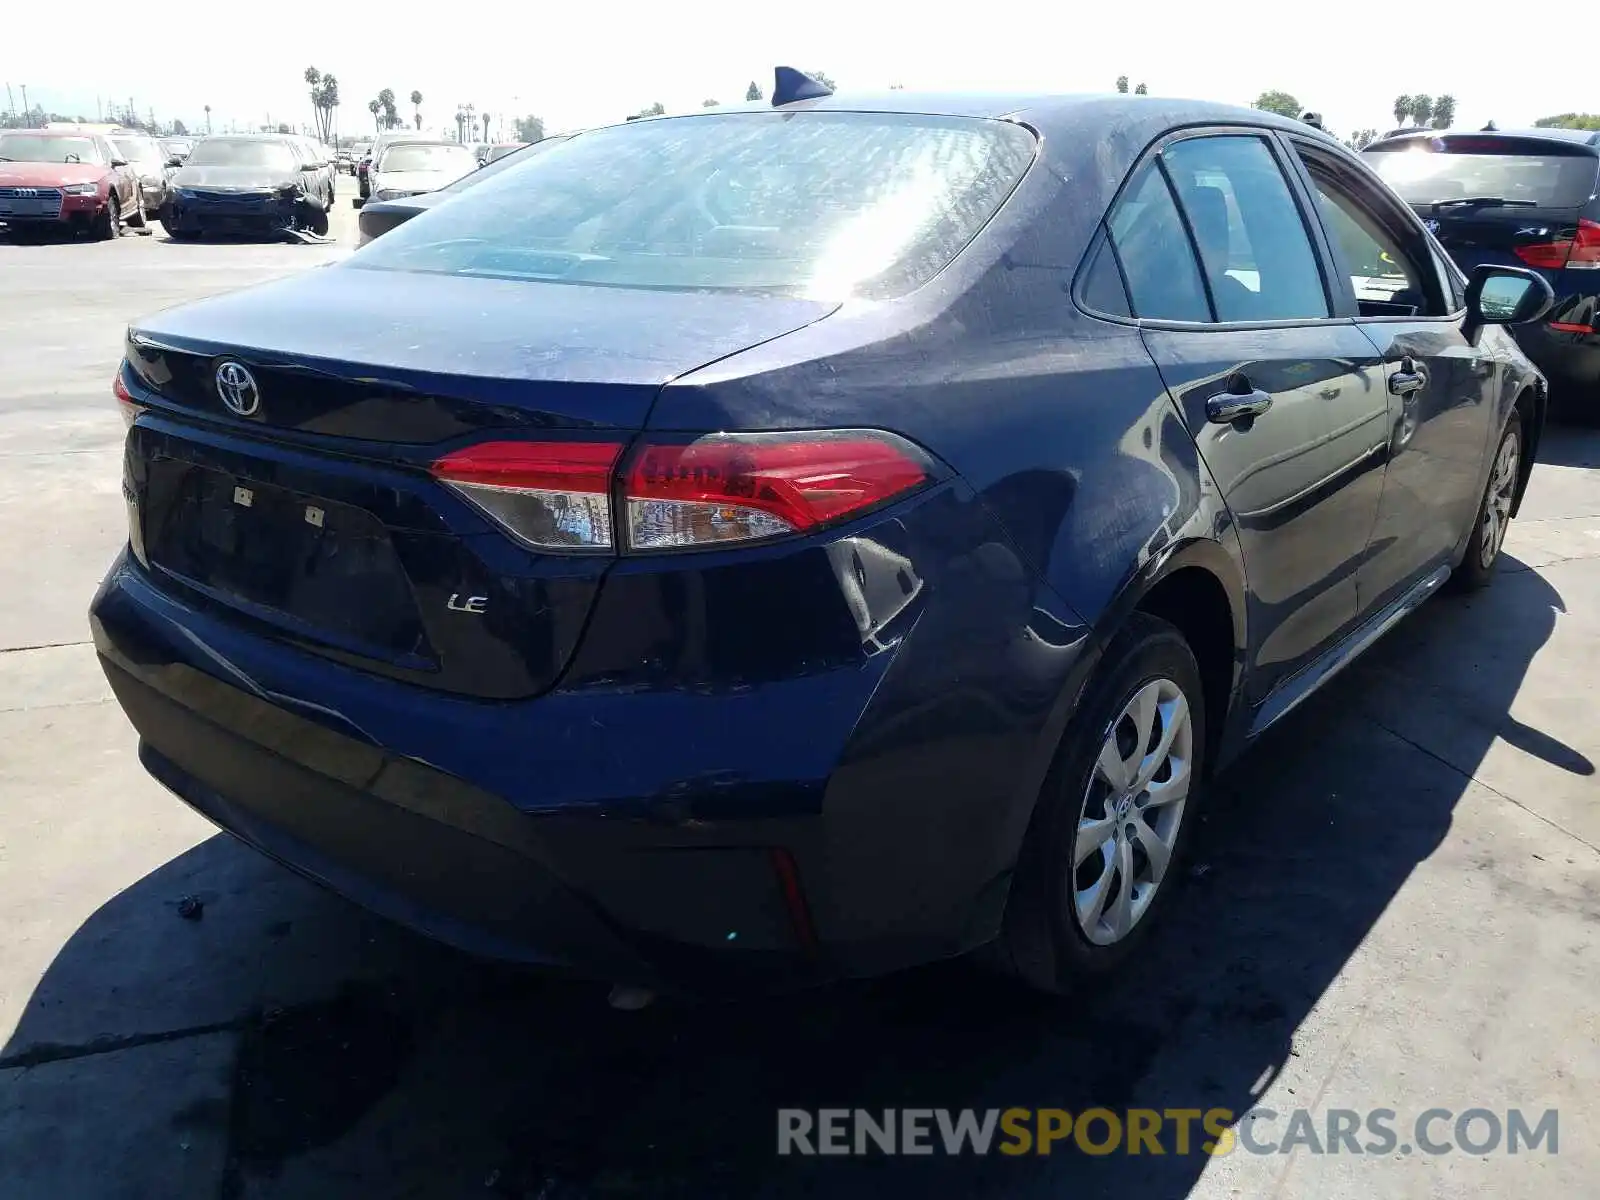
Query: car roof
[[427, 141], [1085, 114]]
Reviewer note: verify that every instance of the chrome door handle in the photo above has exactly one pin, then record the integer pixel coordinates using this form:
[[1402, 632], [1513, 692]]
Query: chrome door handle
[[1407, 378], [1227, 407]]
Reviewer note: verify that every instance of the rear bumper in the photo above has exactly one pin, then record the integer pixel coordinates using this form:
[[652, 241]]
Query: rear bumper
[[691, 840], [1569, 359]]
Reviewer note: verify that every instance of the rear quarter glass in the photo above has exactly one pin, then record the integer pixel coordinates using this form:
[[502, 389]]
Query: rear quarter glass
[[817, 204]]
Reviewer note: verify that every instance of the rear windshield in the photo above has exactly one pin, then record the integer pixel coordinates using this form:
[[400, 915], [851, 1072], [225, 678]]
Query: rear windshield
[[216, 153], [806, 203], [1424, 172], [494, 166]]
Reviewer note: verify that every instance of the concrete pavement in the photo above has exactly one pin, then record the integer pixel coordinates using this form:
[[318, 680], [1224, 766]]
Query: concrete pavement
[[1399, 907]]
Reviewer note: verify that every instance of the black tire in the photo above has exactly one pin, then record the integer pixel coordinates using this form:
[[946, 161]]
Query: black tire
[[1043, 941], [182, 235], [140, 219], [1488, 537], [108, 225], [317, 222]]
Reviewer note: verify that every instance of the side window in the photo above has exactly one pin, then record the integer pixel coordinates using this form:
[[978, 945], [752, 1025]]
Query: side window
[[1387, 281], [1102, 286], [1163, 279], [1253, 242]]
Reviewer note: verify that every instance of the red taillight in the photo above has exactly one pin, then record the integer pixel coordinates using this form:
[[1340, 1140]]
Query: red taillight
[[746, 487], [721, 488], [1579, 253], [1550, 255], [1585, 248], [129, 407], [553, 495]]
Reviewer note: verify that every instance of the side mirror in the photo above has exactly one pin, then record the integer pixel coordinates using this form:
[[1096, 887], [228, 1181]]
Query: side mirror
[[175, 161], [119, 162], [1505, 296]]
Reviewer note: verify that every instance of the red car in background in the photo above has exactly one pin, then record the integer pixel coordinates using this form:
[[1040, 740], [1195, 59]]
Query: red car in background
[[55, 179]]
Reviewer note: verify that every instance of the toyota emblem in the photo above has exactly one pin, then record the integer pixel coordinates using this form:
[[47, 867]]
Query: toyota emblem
[[238, 390]]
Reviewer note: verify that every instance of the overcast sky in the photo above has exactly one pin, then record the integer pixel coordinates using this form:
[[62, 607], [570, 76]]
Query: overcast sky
[[586, 64]]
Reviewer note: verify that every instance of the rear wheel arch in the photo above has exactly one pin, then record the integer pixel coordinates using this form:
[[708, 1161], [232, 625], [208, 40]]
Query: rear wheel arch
[[1199, 590]]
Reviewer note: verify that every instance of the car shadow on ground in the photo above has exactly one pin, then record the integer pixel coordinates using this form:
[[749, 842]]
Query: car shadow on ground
[[439, 1075]]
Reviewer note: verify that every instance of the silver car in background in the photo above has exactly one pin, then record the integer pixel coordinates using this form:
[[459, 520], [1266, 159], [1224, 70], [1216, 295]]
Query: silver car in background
[[148, 161], [411, 168]]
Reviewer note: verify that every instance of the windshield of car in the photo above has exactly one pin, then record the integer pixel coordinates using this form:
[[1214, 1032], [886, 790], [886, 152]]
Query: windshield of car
[[31, 147], [819, 204], [143, 151], [216, 152], [1427, 173], [426, 158]]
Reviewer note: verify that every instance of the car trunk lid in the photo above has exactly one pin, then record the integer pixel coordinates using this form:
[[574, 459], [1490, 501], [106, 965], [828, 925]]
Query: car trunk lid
[[314, 514]]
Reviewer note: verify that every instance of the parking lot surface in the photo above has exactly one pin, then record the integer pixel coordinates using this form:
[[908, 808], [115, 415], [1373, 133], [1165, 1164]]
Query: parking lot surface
[[1395, 904]]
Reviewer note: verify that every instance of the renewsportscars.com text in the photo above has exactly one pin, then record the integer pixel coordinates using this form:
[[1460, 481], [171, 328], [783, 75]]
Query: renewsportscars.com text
[[1213, 1131]]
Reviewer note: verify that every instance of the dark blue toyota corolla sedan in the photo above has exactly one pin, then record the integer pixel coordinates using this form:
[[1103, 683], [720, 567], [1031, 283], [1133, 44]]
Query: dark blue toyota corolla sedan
[[784, 543]]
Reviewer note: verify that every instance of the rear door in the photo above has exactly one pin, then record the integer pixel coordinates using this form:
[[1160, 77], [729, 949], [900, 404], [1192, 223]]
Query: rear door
[[1284, 400], [1440, 387]]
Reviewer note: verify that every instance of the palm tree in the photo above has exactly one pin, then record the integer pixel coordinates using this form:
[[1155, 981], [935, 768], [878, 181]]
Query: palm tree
[[314, 79], [1402, 109], [208, 118], [486, 127], [416, 105], [374, 107]]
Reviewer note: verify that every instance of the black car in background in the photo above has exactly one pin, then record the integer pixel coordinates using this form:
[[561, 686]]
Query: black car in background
[[1521, 198], [380, 216], [253, 184]]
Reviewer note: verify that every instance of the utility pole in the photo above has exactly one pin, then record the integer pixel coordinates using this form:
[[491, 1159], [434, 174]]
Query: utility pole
[[11, 109], [26, 111]]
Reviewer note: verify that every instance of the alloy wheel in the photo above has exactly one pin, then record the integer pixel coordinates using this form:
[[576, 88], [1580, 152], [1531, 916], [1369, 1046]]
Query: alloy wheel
[[1497, 503], [1132, 810]]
